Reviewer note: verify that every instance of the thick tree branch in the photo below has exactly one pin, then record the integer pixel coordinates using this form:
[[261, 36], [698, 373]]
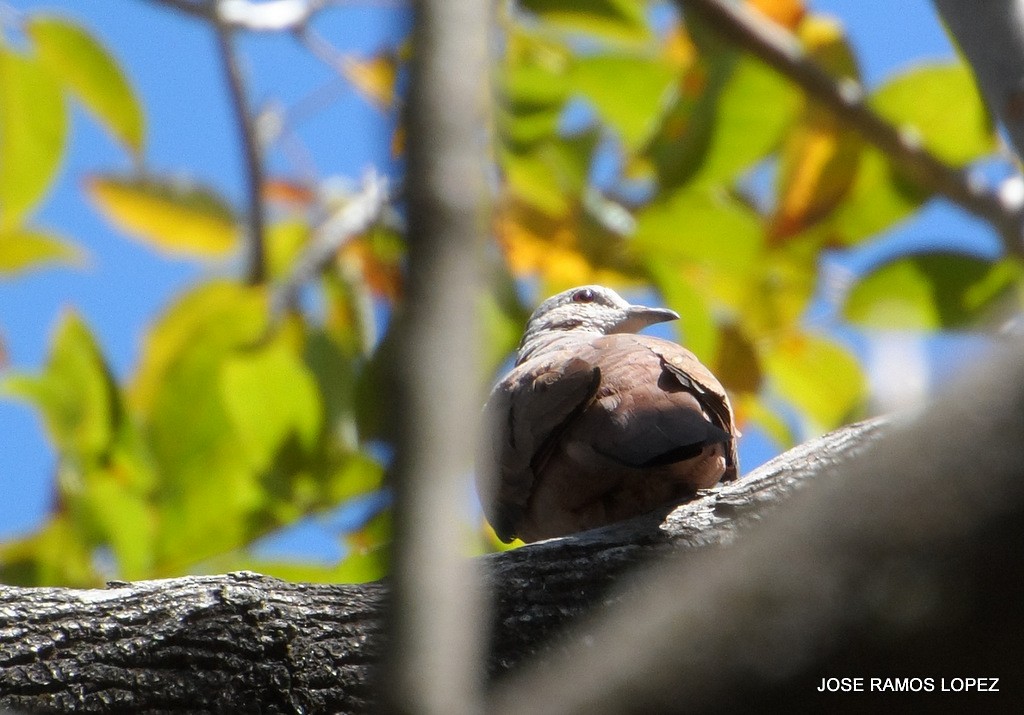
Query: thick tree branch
[[435, 648], [745, 27], [786, 577], [991, 36]]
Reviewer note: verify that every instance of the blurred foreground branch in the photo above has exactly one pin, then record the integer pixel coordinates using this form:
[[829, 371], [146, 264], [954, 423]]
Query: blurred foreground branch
[[434, 642], [884, 548], [751, 31]]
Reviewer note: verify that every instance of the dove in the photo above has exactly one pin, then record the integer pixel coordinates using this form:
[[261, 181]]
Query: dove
[[596, 424]]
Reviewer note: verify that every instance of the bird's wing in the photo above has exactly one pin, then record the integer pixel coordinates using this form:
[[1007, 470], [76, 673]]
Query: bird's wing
[[643, 416], [691, 374], [525, 415]]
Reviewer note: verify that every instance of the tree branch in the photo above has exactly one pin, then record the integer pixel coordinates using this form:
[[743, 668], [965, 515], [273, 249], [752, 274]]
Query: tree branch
[[434, 652], [991, 36], [357, 216], [748, 29], [256, 270]]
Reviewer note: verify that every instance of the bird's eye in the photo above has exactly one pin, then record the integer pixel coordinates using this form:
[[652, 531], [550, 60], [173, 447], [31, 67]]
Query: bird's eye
[[584, 295]]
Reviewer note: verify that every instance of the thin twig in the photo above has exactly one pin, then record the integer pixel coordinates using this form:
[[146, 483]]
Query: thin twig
[[356, 217], [752, 32], [256, 269]]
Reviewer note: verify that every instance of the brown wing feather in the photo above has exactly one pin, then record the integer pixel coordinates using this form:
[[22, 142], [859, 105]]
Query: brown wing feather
[[525, 415]]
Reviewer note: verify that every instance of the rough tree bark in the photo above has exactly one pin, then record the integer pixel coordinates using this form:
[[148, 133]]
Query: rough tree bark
[[888, 548]]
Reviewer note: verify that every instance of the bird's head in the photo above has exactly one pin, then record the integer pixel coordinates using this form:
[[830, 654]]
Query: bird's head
[[589, 309]]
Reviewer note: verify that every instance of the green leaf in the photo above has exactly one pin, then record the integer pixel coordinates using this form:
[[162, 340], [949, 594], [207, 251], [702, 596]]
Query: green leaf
[[85, 67], [755, 107], [878, 199], [942, 104], [270, 397], [174, 216], [714, 240], [932, 291], [25, 249], [627, 91], [33, 126], [532, 97], [728, 116], [612, 19], [818, 376], [74, 392]]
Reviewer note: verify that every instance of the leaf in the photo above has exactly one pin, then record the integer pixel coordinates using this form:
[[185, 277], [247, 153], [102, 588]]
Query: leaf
[[627, 91], [565, 251], [75, 393], [25, 249], [270, 397], [33, 127], [207, 477], [85, 67], [787, 13], [932, 291], [877, 199], [923, 98], [374, 78], [173, 216], [214, 316], [611, 19], [818, 376], [820, 155], [715, 240], [729, 113]]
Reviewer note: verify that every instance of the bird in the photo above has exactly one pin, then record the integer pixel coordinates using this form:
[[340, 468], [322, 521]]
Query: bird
[[595, 423]]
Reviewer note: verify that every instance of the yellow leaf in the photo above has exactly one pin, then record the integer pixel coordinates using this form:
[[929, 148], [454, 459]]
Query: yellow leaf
[[557, 248], [787, 13], [22, 250], [374, 78], [820, 156], [172, 216]]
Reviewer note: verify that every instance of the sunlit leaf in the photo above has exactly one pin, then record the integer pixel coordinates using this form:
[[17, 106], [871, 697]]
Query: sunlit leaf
[[284, 242], [374, 77], [705, 232], [697, 324], [820, 156], [33, 125], [75, 392], [565, 251], [377, 257], [941, 103], [729, 113], [172, 216], [878, 198], [613, 19], [83, 65], [288, 192], [627, 91], [933, 291], [25, 249], [787, 13], [818, 376], [270, 397]]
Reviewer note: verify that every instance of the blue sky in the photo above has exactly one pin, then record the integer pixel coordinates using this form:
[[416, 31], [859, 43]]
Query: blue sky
[[171, 61]]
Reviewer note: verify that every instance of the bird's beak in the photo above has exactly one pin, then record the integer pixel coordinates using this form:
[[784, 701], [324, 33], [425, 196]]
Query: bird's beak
[[639, 317]]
